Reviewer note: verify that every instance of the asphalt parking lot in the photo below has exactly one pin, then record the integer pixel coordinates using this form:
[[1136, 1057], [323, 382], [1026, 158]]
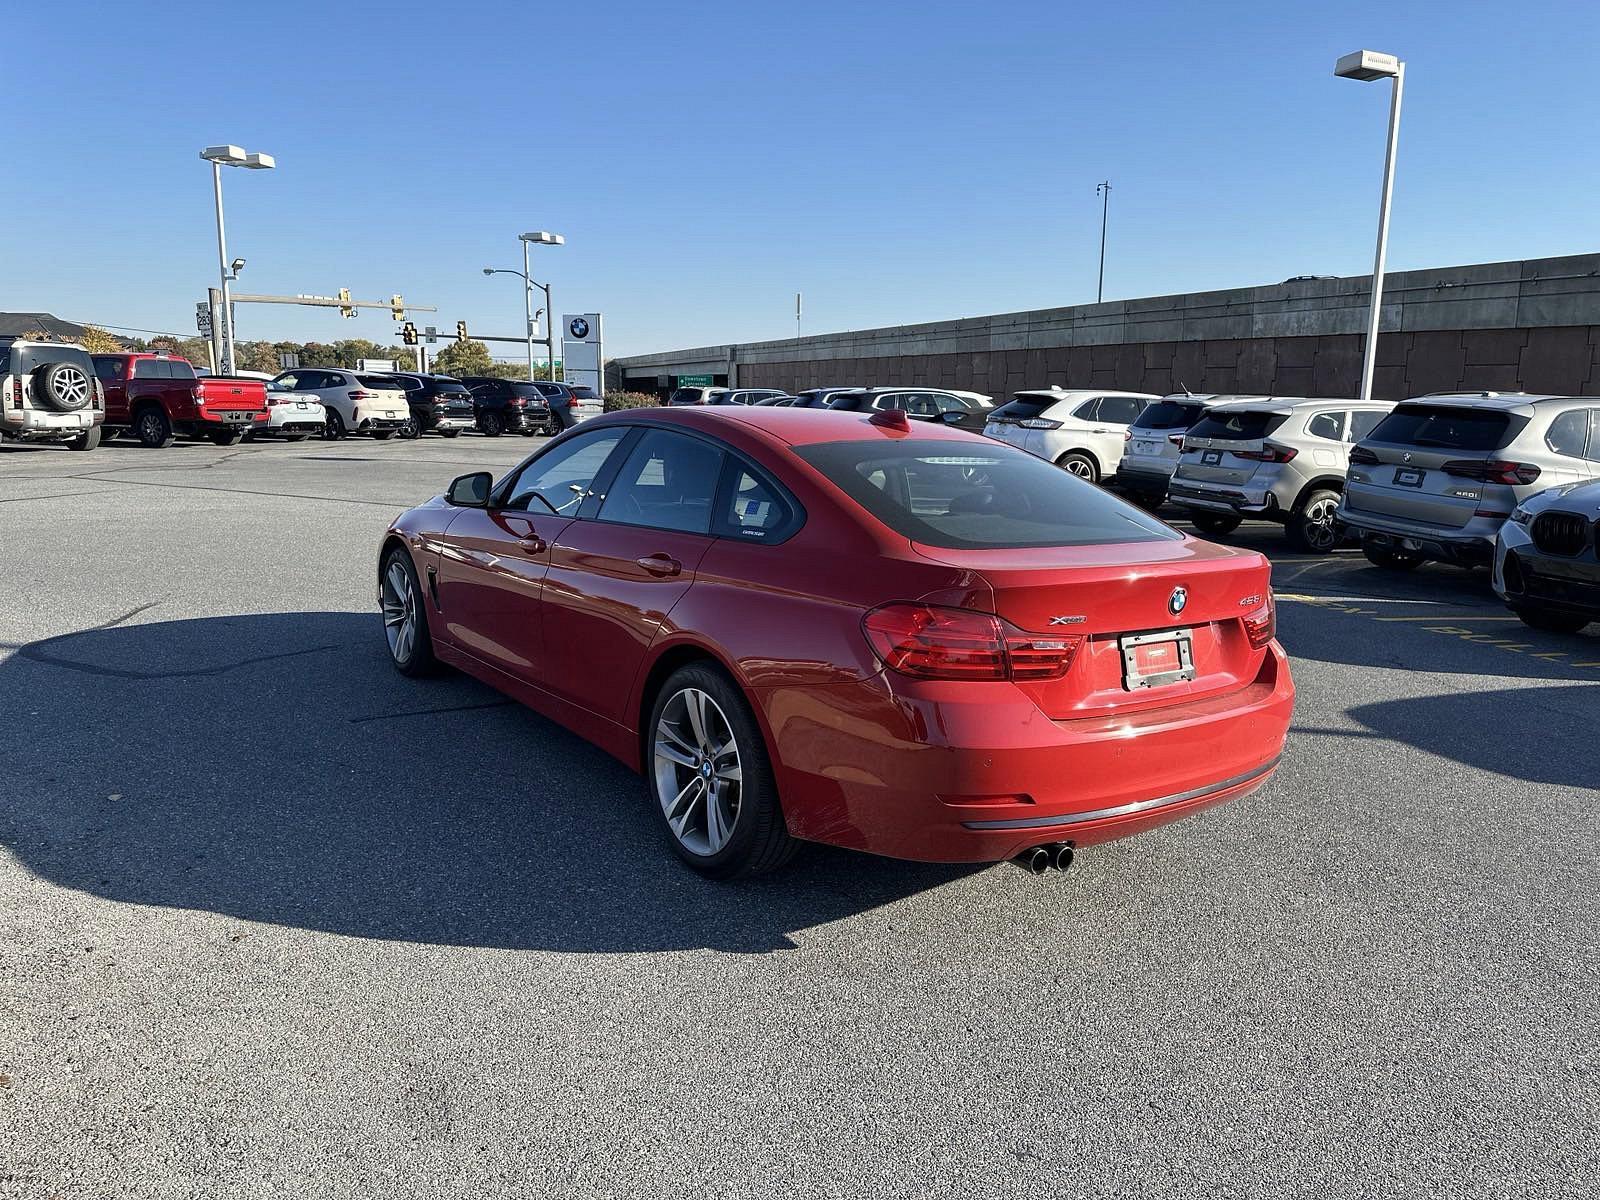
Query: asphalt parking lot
[[277, 921]]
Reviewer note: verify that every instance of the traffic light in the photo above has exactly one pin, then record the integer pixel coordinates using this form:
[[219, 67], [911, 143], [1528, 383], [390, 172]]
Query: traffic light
[[344, 308], [397, 306], [408, 334], [461, 331]]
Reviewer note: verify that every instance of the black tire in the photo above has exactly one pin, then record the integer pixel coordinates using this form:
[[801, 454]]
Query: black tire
[[417, 659], [759, 840], [491, 424], [87, 440], [410, 431], [1311, 526], [1081, 465], [62, 386], [1389, 558], [383, 435], [1549, 620], [153, 429], [1214, 524], [108, 434], [334, 427], [226, 437], [449, 433], [530, 433], [1151, 502]]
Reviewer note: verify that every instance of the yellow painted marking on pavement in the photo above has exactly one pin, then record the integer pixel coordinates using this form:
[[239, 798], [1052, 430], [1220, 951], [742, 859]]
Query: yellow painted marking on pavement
[[1449, 616]]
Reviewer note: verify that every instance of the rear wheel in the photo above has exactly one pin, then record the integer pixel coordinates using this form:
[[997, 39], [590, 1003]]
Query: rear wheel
[[410, 430], [1548, 620], [1214, 524], [710, 778], [87, 440], [491, 424], [405, 620], [153, 429], [1390, 558], [1311, 526], [1080, 465]]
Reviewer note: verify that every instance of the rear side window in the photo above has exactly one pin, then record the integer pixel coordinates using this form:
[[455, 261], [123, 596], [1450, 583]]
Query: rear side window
[[180, 368], [1023, 408], [1237, 426], [1447, 428], [752, 509], [1326, 425], [109, 369], [1168, 414], [1569, 433], [667, 482], [1120, 410], [949, 495]]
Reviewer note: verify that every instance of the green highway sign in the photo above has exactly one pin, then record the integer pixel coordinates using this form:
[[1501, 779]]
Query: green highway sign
[[695, 380]]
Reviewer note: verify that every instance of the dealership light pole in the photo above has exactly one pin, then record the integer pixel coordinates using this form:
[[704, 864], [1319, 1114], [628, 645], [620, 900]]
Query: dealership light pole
[[1104, 191], [219, 157], [534, 239], [1367, 66]]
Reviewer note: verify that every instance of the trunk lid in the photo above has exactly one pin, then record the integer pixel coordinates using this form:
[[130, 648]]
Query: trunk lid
[[1215, 448], [1105, 594]]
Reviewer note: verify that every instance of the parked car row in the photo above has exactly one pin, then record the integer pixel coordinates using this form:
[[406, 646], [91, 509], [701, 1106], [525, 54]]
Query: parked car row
[[57, 392]]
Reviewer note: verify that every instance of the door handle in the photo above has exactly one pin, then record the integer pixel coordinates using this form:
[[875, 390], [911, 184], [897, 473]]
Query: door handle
[[534, 544], [660, 564], [1100, 431]]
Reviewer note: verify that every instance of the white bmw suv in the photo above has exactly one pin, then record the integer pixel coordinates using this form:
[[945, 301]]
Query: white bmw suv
[[1080, 431]]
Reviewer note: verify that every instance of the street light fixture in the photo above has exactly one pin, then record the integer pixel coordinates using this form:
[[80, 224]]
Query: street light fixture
[[540, 238], [1368, 66], [219, 157]]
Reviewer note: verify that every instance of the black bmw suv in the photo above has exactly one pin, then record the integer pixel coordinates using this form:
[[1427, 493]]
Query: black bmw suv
[[510, 406], [439, 403]]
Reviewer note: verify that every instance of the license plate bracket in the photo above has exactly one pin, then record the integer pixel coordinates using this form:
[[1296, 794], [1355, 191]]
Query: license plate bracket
[[1156, 659], [1211, 458], [1407, 477]]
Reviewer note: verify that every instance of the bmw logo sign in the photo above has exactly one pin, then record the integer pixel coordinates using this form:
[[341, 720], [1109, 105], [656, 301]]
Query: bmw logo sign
[[1179, 600], [578, 328]]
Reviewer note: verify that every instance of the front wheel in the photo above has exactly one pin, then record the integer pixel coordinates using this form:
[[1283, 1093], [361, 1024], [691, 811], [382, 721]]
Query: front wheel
[[1311, 526], [1389, 558], [1080, 465], [1548, 620], [334, 428], [1214, 524], [710, 778], [405, 620]]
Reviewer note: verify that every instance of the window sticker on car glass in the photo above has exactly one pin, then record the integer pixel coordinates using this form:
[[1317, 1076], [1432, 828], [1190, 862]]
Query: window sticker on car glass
[[751, 511]]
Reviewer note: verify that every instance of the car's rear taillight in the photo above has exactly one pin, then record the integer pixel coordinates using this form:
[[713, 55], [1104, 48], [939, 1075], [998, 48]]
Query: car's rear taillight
[[1261, 626], [1362, 457], [361, 395], [1127, 435], [198, 395], [927, 642], [1176, 439], [1269, 453], [1492, 470], [572, 402], [1039, 423], [518, 402], [16, 393]]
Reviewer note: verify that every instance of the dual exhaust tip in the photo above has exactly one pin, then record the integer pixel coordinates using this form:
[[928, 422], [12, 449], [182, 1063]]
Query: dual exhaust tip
[[1036, 860]]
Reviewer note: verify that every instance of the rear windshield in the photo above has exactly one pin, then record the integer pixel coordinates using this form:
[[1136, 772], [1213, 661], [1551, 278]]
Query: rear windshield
[[585, 393], [849, 401], [525, 389], [1023, 408], [26, 358], [1169, 414], [1447, 428], [1237, 426], [962, 497], [684, 396], [379, 381]]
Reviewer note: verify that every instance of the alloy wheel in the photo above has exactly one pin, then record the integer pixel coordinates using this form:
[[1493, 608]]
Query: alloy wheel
[[1079, 467], [399, 611], [697, 771], [72, 386], [1319, 531]]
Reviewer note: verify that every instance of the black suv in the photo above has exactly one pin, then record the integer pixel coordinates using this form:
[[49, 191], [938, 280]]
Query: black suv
[[440, 403], [510, 405]]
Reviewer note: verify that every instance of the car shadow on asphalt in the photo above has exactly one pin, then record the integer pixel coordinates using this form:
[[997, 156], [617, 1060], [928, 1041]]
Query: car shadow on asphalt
[[274, 767]]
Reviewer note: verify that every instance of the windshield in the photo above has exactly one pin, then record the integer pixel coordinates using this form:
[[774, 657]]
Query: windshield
[[1447, 428], [1168, 414], [1248, 426], [961, 497]]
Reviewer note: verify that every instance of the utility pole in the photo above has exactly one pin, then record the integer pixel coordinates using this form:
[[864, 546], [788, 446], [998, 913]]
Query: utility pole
[[1104, 191], [797, 314], [549, 332]]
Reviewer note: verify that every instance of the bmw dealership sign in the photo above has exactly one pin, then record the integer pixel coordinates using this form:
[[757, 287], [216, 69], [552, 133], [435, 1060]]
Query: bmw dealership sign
[[582, 360]]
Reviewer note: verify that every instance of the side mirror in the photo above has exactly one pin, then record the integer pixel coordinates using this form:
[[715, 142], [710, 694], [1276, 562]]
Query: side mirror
[[471, 491], [950, 417]]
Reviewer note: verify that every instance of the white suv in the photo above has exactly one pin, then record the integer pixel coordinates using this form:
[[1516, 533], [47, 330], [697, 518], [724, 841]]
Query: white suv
[[355, 402], [1150, 454], [1080, 431], [49, 393]]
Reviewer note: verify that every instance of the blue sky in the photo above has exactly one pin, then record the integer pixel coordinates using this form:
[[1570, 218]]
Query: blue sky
[[895, 162]]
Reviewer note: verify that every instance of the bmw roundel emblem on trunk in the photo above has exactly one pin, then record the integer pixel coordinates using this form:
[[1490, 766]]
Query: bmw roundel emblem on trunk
[[1179, 600]]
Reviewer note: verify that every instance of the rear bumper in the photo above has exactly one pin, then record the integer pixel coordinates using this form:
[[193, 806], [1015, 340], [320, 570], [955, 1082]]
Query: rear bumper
[[1138, 475], [1239, 501], [1473, 549], [886, 767], [287, 419], [37, 424]]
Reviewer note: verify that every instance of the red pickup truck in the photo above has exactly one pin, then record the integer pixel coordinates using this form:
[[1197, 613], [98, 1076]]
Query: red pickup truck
[[158, 397]]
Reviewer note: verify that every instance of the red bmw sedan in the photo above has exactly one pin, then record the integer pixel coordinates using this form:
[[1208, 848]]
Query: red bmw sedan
[[830, 627]]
